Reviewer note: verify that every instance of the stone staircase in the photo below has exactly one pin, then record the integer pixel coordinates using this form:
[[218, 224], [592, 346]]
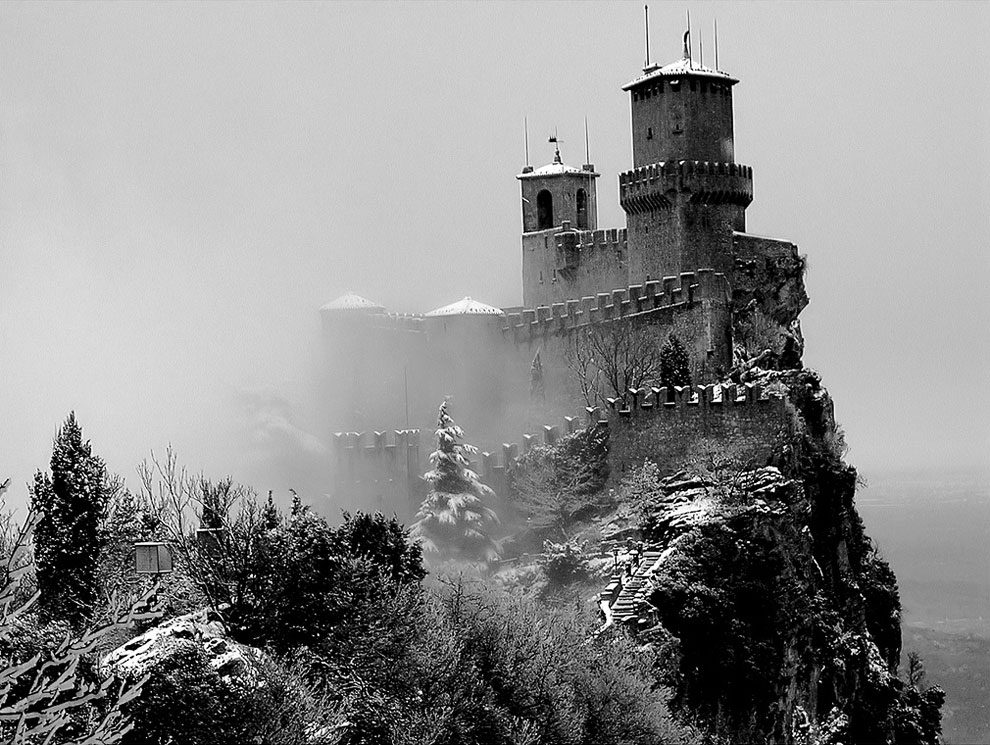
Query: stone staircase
[[625, 594]]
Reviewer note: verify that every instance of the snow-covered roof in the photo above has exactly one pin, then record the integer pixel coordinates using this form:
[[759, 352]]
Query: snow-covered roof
[[555, 169], [350, 301], [466, 307], [683, 66]]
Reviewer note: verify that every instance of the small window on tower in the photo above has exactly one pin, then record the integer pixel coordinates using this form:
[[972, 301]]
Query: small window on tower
[[582, 209], [649, 133], [541, 277], [544, 210]]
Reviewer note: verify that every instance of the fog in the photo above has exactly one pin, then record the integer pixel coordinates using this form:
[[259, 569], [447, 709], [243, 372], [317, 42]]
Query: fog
[[182, 186]]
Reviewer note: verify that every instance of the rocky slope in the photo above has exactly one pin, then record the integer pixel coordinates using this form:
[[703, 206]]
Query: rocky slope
[[777, 620]]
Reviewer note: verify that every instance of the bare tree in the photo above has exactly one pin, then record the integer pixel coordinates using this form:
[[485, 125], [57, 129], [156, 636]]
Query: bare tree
[[607, 359], [43, 697]]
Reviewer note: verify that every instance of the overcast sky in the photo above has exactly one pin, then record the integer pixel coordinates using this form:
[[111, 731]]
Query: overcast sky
[[183, 185]]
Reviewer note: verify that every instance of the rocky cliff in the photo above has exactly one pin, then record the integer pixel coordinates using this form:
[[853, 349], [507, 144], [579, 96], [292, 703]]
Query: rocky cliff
[[776, 619]]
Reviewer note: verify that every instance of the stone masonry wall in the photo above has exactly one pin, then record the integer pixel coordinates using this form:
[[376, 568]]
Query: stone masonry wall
[[739, 421]]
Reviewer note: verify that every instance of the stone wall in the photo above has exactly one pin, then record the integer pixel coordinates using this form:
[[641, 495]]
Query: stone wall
[[562, 264], [669, 426], [681, 215], [379, 470]]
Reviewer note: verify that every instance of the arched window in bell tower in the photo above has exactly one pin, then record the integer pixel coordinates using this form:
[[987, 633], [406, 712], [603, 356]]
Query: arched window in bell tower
[[582, 209], [544, 210]]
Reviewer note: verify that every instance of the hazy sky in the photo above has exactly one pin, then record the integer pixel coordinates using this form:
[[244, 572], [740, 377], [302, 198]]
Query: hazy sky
[[183, 185]]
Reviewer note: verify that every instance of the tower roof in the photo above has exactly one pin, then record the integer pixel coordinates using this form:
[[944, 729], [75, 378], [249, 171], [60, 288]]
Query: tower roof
[[557, 168], [680, 68], [351, 302], [466, 307]]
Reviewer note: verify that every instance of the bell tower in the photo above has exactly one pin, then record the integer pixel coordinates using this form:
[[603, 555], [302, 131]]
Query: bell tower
[[556, 198], [686, 194], [557, 193]]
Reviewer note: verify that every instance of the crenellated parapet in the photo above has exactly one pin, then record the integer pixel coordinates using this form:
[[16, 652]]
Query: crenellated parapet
[[637, 302], [381, 442], [374, 321], [493, 466], [402, 322], [670, 426], [720, 396], [575, 246], [380, 468], [652, 187]]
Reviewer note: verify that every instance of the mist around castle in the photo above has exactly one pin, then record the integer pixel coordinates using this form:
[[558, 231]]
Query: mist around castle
[[620, 510]]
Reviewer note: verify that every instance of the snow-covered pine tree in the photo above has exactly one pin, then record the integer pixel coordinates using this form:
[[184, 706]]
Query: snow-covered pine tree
[[453, 521]]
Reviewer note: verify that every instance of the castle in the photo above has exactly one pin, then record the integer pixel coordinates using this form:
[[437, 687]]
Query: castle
[[683, 265]]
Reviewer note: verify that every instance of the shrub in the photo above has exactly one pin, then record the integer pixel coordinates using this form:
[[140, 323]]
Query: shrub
[[563, 563]]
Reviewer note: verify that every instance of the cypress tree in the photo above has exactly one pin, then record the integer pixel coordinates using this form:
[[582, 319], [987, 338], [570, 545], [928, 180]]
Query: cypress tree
[[72, 503]]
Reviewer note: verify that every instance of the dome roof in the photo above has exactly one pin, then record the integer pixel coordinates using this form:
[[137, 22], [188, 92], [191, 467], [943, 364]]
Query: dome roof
[[350, 301], [683, 66], [466, 307]]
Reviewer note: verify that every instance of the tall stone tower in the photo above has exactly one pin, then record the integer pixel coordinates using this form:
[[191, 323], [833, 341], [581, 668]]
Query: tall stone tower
[[686, 194]]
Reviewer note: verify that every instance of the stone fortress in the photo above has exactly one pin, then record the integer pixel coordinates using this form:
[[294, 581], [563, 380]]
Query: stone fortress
[[683, 264]]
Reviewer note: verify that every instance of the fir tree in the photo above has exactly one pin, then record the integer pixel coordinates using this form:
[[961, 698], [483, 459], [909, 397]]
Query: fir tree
[[72, 504], [453, 520], [675, 364]]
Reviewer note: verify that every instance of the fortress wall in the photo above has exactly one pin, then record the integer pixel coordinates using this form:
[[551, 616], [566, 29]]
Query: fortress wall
[[563, 263], [694, 306], [380, 470], [637, 303], [384, 469], [740, 420]]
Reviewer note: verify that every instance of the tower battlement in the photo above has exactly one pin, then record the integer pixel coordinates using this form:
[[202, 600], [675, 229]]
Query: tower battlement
[[575, 247], [650, 187]]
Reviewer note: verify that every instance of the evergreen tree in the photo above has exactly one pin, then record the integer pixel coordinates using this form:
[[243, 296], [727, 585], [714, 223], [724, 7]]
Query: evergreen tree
[[68, 542], [675, 364], [453, 520]]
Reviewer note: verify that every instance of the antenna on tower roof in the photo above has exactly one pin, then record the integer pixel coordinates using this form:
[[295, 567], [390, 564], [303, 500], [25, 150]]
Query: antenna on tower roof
[[587, 145], [716, 44], [646, 11], [701, 47], [687, 39], [526, 136]]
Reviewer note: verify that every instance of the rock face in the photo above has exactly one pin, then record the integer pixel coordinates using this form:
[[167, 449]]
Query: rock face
[[780, 621], [203, 629]]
